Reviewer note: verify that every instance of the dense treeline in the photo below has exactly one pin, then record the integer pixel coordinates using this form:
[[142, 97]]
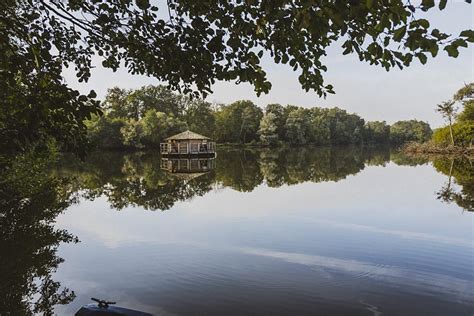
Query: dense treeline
[[144, 117], [193, 46]]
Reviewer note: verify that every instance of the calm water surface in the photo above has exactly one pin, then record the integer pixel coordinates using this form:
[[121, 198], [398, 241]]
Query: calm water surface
[[306, 231]]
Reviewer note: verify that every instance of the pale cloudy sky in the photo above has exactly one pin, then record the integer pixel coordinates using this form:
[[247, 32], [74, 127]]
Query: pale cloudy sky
[[367, 90]]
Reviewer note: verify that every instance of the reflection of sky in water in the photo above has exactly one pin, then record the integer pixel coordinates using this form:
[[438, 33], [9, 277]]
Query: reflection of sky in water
[[378, 241]]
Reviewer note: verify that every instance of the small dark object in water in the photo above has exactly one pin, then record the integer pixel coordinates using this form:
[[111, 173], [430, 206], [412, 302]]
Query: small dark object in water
[[103, 309]]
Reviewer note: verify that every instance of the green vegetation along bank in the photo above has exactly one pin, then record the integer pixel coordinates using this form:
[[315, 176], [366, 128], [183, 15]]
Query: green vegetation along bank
[[457, 137], [190, 48], [142, 118]]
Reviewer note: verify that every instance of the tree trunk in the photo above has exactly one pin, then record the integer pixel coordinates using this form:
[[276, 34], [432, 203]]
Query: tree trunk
[[451, 132]]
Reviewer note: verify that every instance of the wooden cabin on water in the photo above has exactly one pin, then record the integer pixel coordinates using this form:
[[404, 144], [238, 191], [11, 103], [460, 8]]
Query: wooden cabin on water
[[187, 144]]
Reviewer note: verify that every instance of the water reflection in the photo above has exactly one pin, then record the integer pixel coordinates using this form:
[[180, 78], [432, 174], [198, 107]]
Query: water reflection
[[185, 167], [146, 180], [285, 231], [30, 201], [461, 172], [31, 197]]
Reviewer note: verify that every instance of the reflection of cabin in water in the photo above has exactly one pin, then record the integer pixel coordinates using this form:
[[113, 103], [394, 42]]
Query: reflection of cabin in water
[[187, 166], [188, 143]]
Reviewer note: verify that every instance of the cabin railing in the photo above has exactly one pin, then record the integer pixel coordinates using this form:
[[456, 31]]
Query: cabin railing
[[164, 148], [187, 148], [187, 165]]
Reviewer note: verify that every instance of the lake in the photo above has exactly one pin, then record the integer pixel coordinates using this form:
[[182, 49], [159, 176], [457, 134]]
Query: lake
[[299, 231]]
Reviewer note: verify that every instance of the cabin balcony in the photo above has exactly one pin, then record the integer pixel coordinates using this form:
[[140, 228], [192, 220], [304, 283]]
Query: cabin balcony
[[188, 148]]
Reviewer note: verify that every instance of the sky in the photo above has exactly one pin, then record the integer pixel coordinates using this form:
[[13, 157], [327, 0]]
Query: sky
[[369, 91]]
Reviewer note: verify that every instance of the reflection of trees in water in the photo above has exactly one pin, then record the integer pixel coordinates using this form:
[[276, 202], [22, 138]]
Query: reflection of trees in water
[[238, 169], [30, 200], [136, 178], [245, 169], [461, 170], [459, 187], [309, 164], [133, 179], [401, 159]]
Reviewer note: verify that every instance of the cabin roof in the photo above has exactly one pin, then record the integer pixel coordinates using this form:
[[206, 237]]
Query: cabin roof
[[187, 135]]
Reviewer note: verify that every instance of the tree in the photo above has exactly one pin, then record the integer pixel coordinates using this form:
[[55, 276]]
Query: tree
[[195, 45], [200, 117], [280, 116], [132, 133], [268, 129], [116, 103], [410, 131], [467, 114], [448, 110], [158, 125], [463, 133], [238, 122], [225, 125], [377, 132], [158, 98], [465, 94], [105, 131], [250, 120], [298, 127], [336, 126], [320, 126], [460, 129], [133, 104]]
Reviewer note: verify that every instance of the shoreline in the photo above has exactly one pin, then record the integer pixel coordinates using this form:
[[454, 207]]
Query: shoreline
[[429, 149]]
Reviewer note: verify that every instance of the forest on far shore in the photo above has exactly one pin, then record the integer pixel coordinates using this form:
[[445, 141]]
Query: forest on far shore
[[142, 118]]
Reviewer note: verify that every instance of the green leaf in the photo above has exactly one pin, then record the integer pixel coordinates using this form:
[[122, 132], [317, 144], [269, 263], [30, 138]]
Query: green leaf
[[452, 51], [442, 4], [399, 33], [423, 23], [369, 3], [427, 4], [469, 34], [434, 50], [92, 94], [459, 43], [422, 57], [143, 4]]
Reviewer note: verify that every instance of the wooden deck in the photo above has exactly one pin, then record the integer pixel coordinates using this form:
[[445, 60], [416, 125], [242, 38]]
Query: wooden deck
[[185, 148]]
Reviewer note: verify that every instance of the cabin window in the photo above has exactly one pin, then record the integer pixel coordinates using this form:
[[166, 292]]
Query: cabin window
[[183, 147], [174, 148], [194, 164], [204, 164], [194, 147]]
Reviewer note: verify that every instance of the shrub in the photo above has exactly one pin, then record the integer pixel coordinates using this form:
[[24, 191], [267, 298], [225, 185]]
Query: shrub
[[463, 134], [105, 131]]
